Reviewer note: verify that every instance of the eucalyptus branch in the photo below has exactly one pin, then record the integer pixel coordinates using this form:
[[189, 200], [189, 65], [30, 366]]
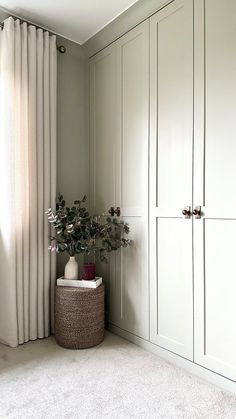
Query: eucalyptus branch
[[77, 232]]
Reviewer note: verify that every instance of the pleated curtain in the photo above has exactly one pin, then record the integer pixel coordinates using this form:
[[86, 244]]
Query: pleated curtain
[[28, 68]]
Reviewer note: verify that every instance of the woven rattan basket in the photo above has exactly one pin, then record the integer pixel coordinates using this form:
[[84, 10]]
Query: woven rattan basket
[[79, 316]]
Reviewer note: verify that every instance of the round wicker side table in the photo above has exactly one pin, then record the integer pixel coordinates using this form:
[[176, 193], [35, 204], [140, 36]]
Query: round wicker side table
[[79, 316]]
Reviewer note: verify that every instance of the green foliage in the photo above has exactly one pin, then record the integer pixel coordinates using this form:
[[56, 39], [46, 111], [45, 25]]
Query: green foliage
[[76, 231]]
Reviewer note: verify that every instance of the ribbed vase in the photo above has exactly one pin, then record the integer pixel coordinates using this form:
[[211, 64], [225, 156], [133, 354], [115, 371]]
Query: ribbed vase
[[72, 269]]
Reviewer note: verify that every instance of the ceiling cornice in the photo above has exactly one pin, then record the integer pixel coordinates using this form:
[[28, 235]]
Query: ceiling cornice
[[136, 14]]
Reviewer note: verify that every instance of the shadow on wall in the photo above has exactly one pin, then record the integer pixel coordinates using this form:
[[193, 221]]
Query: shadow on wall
[[72, 141], [72, 132]]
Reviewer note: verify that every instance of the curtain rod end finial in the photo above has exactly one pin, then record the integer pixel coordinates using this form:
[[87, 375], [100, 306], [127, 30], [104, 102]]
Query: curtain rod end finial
[[61, 49]]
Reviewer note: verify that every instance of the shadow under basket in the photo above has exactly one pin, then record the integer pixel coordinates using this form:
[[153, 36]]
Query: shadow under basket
[[79, 316]]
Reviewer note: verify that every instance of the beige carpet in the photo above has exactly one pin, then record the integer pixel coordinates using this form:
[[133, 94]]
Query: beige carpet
[[114, 380]]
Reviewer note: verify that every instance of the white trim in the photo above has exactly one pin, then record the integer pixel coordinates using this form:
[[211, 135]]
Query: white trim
[[210, 376], [134, 15]]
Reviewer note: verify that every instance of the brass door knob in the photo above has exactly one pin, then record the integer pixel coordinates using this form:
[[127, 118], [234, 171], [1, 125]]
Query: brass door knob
[[117, 211], [186, 212], [197, 212], [112, 211]]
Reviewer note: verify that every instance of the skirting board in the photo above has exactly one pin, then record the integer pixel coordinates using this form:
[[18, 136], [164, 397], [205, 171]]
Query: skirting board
[[204, 373]]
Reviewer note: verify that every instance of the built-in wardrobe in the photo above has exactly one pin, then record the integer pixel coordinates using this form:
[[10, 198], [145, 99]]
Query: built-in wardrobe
[[163, 155]]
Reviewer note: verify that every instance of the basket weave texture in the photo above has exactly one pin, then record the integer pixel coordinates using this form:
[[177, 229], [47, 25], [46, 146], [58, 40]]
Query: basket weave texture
[[79, 317]]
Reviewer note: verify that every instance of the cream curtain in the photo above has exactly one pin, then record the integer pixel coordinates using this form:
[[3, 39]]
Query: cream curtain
[[28, 60]]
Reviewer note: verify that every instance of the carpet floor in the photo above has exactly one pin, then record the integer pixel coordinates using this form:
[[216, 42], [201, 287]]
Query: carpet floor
[[113, 380]]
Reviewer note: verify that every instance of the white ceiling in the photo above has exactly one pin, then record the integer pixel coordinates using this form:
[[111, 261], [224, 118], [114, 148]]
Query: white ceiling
[[77, 20]]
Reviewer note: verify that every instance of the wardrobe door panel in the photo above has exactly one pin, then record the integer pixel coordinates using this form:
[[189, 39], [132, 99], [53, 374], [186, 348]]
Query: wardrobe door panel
[[103, 130], [214, 186], [220, 93], [174, 110], [174, 268], [171, 125], [132, 282], [132, 179], [220, 289]]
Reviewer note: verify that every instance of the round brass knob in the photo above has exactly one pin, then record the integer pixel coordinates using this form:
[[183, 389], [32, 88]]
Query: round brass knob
[[117, 211], [197, 212], [186, 212], [112, 211]]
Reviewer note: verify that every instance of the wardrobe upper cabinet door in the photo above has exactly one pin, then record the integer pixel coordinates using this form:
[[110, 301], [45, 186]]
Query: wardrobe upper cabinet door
[[131, 288], [171, 126], [103, 130], [214, 185], [172, 102]]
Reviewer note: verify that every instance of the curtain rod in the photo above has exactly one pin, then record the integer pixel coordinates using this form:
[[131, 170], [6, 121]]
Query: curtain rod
[[60, 48]]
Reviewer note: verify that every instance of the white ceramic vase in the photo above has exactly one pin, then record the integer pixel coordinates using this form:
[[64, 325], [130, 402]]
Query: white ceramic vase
[[72, 269]]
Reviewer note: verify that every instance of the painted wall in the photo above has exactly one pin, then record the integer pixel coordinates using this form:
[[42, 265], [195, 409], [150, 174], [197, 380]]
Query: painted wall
[[72, 138]]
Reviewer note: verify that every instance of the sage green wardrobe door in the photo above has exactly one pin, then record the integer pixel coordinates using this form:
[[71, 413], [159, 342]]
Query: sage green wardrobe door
[[103, 128], [119, 107], [171, 148], [131, 282], [214, 186]]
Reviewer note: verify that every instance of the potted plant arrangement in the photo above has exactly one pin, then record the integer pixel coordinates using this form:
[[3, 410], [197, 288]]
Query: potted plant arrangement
[[78, 232]]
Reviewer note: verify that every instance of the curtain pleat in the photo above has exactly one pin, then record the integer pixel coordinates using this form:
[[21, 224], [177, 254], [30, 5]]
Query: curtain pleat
[[26, 182], [19, 162], [47, 184], [28, 66], [53, 172], [33, 202], [40, 182], [8, 303]]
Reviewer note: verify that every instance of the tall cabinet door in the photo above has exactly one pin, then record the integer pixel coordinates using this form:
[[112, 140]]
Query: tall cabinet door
[[119, 116], [103, 142], [171, 108], [130, 291], [214, 186]]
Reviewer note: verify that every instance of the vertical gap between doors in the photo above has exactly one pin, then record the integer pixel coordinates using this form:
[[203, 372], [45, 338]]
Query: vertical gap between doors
[[193, 143], [148, 192], [204, 105]]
